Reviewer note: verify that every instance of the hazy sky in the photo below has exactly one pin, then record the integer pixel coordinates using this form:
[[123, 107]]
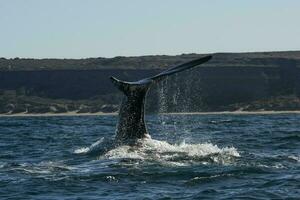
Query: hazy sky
[[108, 28]]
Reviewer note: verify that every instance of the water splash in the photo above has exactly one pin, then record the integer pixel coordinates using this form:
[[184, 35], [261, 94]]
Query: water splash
[[96, 146], [150, 150]]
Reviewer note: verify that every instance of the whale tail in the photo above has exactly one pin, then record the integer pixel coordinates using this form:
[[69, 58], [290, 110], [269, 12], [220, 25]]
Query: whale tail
[[131, 125], [128, 87], [143, 84]]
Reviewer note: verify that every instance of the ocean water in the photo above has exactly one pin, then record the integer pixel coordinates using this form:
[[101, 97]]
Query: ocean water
[[187, 157]]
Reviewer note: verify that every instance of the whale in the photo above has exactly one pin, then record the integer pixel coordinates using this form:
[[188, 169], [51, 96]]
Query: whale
[[131, 124]]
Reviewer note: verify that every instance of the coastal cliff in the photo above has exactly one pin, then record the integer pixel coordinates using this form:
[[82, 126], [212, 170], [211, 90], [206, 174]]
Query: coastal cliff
[[229, 82]]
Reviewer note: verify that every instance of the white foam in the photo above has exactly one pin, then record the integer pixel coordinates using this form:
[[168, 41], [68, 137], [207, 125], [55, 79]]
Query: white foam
[[125, 152], [111, 179], [174, 154], [296, 158], [2, 165]]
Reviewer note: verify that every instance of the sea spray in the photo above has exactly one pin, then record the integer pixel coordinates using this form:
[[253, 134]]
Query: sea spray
[[183, 153]]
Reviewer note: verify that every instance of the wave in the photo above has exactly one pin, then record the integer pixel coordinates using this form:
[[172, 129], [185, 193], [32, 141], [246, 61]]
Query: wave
[[294, 158], [101, 145], [92, 147], [44, 168]]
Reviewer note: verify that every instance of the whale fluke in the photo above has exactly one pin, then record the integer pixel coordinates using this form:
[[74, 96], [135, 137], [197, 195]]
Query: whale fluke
[[131, 125]]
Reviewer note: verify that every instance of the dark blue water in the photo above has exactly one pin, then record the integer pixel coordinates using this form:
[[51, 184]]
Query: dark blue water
[[188, 157]]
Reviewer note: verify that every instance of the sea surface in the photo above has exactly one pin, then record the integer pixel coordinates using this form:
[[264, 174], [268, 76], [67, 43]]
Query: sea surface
[[187, 157]]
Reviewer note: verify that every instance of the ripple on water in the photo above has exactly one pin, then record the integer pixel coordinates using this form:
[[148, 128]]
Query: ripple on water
[[229, 157]]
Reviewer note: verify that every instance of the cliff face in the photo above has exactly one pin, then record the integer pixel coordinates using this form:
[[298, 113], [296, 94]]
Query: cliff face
[[227, 80], [213, 89], [67, 84]]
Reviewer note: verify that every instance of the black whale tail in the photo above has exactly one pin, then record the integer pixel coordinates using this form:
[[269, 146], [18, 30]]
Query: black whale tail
[[129, 87], [131, 125], [144, 84]]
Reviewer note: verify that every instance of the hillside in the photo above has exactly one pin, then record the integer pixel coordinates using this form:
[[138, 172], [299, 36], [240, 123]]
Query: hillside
[[230, 81], [149, 62]]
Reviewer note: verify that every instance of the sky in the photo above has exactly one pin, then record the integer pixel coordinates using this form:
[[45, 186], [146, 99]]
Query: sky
[[109, 28]]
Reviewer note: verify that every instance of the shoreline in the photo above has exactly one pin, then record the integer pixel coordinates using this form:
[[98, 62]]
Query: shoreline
[[181, 113], [268, 112]]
